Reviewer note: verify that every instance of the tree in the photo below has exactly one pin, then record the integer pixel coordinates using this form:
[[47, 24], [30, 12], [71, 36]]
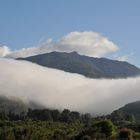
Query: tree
[[106, 127], [130, 118], [55, 115], [117, 115], [125, 134], [74, 116], [65, 115], [86, 118], [86, 137]]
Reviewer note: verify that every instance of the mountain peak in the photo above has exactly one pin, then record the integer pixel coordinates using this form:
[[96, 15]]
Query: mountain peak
[[74, 52], [87, 66]]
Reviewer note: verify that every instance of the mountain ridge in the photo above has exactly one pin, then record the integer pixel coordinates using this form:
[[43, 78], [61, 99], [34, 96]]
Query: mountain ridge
[[132, 108], [128, 111], [88, 66]]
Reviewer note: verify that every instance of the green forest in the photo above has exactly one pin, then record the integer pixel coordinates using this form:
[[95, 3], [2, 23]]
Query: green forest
[[47, 124]]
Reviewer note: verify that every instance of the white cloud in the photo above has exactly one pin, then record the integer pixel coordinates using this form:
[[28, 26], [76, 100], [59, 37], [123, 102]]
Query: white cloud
[[123, 58], [58, 89], [4, 50], [86, 43]]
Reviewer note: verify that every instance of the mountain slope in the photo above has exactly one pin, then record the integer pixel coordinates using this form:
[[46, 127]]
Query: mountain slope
[[16, 106], [87, 66], [131, 109]]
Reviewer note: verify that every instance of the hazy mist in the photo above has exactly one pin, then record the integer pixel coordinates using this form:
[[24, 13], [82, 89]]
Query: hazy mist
[[58, 89]]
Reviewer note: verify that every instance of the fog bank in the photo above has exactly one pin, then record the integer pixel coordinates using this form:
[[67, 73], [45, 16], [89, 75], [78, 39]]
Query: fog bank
[[58, 89]]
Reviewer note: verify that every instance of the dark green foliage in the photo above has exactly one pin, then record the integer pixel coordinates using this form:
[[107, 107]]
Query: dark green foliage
[[86, 118], [130, 112], [87, 66], [38, 130], [99, 129], [42, 115], [117, 115], [12, 105], [16, 106], [132, 109], [105, 127], [47, 124], [125, 134], [52, 125], [54, 115], [86, 137], [67, 116], [130, 118]]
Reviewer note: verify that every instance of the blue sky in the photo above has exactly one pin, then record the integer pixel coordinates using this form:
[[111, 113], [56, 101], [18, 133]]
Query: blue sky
[[24, 23]]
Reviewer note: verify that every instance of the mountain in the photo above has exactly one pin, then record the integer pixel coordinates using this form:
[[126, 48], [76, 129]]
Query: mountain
[[87, 66], [131, 109], [16, 106]]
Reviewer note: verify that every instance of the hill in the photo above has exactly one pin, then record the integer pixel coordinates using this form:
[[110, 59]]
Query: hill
[[87, 66], [15, 106], [131, 109]]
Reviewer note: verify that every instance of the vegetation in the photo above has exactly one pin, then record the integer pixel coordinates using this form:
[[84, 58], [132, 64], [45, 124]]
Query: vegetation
[[16, 106], [125, 134], [46, 124], [19, 122], [131, 109]]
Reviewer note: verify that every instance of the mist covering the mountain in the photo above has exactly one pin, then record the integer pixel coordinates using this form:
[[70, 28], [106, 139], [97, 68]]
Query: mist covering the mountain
[[58, 89]]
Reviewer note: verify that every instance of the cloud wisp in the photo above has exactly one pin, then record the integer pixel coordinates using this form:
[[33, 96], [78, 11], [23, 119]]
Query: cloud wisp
[[58, 89], [4, 51], [86, 43]]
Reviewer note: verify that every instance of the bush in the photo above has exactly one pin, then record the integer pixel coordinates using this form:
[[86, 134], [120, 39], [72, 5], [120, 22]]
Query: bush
[[125, 134]]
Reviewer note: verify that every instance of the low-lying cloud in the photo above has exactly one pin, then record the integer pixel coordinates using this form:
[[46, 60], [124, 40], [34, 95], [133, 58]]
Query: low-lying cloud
[[4, 51], [85, 43], [58, 89]]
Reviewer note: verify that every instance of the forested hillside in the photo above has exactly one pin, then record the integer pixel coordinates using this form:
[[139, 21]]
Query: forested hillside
[[47, 124]]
